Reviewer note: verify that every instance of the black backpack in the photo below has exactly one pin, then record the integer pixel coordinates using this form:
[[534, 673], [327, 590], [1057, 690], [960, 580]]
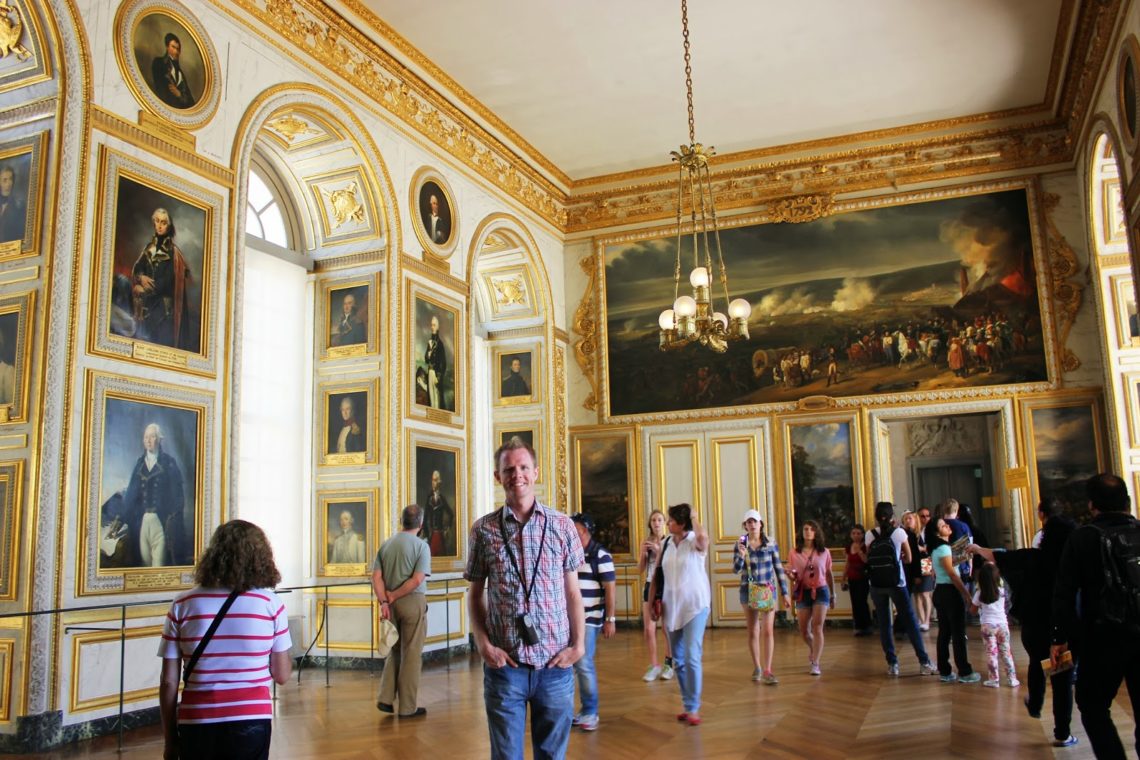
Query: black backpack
[[882, 561], [1120, 557]]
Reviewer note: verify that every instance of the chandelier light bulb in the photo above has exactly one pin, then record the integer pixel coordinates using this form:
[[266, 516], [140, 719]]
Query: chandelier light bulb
[[739, 309], [699, 278], [685, 306], [667, 320], [720, 317]]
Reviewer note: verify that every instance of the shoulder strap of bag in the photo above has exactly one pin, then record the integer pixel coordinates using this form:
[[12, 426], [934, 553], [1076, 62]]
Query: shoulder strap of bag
[[198, 650]]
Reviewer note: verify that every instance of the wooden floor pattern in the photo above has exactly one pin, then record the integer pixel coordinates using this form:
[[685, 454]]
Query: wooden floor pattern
[[853, 711]]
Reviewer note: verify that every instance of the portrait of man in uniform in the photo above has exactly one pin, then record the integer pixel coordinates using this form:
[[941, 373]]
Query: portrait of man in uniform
[[347, 530], [435, 213], [13, 201], [515, 375], [435, 492], [348, 316], [434, 346], [159, 247], [148, 517], [347, 423], [169, 60]]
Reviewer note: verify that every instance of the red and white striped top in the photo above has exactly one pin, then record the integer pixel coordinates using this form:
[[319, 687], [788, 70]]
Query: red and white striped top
[[231, 680]]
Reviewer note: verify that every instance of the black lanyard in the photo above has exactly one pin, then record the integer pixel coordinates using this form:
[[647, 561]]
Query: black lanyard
[[514, 563]]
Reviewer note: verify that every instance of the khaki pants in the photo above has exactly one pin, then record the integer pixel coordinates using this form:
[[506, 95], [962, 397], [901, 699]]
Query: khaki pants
[[402, 669]]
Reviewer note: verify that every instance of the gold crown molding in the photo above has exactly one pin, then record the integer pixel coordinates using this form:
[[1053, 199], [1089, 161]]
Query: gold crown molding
[[804, 208], [875, 168], [32, 111], [107, 122], [413, 54], [561, 335], [441, 277], [1113, 260], [560, 434], [347, 262], [1091, 43], [535, 331], [1063, 265], [320, 34], [586, 325]]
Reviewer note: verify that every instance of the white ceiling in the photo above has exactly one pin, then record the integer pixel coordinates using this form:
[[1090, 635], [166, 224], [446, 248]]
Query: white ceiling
[[597, 86]]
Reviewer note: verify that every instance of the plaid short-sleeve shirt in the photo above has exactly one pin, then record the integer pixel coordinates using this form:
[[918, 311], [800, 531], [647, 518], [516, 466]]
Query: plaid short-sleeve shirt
[[487, 560]]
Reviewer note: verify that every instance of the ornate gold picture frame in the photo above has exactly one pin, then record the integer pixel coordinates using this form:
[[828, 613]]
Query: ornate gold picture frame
[[158, 242], [350, 423], [604, 484], [517, 377], [168, 61], [15, 354], [1127, 324], [1128, 92], [24, 63], [146, 485], [11, 515], [436, 368], [435, 217], [1065, 444], [22, 199], [349, 310], [436, 479], [346, 522]]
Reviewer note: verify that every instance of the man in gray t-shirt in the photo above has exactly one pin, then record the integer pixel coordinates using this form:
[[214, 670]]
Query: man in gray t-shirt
[[399, 578]]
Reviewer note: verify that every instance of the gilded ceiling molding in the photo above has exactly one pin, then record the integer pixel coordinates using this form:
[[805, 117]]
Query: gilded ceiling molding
[[803, 208], [561, 335], [1063, 264], [1090, 46], [560, 435], [872, 168], [324, 36], [586, 325], [107, 122], [377, 256], [435, 274]]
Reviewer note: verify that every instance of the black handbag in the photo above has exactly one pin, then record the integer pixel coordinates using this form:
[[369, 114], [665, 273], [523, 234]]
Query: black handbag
[[198, 650]]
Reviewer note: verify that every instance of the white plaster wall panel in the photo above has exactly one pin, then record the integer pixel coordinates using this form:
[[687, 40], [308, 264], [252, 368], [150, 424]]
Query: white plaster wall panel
[[97, 671], [677, 478], [446, 618], [735, 484], [348, 626]]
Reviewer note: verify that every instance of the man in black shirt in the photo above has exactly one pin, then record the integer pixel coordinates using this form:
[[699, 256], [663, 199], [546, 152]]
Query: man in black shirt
[[1108, 654]]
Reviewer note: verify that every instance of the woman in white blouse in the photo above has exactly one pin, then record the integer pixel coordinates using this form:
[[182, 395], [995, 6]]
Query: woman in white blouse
[[686, 601]]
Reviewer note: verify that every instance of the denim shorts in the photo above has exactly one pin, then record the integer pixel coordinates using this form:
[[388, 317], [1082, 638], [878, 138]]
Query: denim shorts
[[804, 600]]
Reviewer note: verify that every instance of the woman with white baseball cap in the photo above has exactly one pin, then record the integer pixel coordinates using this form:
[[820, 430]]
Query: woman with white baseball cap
[[757, 561]]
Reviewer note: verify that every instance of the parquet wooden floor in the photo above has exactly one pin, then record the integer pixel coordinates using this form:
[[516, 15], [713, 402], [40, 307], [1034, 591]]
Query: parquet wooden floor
[[853, 711]]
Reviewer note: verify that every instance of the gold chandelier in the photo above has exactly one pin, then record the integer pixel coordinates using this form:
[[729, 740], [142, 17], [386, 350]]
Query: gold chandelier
[[695, 318]]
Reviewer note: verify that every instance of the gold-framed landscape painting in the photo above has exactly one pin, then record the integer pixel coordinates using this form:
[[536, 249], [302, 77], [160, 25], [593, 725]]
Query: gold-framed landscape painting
[[916, 292], [147, 485], [1066, 444], [821, 466], [604, 485]]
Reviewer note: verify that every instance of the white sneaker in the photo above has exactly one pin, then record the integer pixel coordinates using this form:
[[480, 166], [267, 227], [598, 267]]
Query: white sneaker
[[588, 722], [893, 670], [1013, 683], [992, 683], [667, 672], [924, 627], [928, 670], [652, 674], [814, 670]]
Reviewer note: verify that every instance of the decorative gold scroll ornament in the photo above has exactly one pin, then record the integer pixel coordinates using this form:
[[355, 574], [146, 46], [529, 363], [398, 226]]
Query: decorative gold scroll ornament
[[560, 422], [1063, 264], [11, 30], [509, 290], [345, 206], [803, 208], [586, 325], [290, 127]]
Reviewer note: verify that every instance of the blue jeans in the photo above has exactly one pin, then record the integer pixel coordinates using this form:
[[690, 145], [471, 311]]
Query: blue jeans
[[901, 597], [588, 674], [239, 739], [550, 693], [687, 643]]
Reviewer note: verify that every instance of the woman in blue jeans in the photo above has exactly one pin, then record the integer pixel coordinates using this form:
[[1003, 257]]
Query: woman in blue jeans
[[686, 604]]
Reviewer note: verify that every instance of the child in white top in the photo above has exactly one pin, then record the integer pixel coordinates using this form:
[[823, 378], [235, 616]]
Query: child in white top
[[989, 602]]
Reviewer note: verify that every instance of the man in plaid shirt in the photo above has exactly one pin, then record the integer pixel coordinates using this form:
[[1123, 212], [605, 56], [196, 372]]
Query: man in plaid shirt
[[526, 611]]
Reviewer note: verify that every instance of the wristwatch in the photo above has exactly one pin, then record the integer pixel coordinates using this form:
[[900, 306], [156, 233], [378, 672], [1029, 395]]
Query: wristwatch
[[611, 620]]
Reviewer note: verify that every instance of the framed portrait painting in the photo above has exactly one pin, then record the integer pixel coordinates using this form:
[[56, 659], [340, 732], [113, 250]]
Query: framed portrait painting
[[528, 432], [436, 355], [1124, 307], [159, 244], [436, 483], [516, 380], [821, 459], [348, 312], [346, 520], [147, 488], [168, 61], [1066, 445], [15, 352], [604, 485], [436, 220], [349, 422], [11, 510], [21, 195]]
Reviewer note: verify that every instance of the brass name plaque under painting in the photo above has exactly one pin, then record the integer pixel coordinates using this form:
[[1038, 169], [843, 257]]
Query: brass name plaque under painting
[[151, 581]]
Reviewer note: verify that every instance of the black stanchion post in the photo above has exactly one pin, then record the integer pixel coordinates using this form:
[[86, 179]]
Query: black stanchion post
[[447, 622], [122, 668], [328, 633]]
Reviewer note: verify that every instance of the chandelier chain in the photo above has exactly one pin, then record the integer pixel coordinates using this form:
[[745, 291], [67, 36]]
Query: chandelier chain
[[688, 69]]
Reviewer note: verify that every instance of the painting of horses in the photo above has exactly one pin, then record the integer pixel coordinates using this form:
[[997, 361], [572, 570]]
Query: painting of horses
[[928, 295]]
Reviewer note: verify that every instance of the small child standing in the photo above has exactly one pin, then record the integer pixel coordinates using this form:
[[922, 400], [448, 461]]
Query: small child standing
[[989, 598]]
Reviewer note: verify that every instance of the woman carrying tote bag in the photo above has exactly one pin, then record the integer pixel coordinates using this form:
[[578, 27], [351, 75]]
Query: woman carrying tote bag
[[758, 564]]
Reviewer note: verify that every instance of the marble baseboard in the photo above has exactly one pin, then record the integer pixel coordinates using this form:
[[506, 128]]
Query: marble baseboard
[[37, 733], [317, 662]]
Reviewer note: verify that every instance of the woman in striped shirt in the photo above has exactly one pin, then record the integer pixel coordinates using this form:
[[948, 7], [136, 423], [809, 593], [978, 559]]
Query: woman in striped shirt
[[226, 709], [758, 560]]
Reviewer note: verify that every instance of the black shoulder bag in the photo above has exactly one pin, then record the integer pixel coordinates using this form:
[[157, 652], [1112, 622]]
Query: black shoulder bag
[[198, 650]]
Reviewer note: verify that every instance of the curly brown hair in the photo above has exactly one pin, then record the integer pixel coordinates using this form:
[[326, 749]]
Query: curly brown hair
[[238, 558]]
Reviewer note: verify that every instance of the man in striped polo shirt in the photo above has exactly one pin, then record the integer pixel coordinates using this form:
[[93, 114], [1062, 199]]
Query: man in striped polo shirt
[[596, 582]]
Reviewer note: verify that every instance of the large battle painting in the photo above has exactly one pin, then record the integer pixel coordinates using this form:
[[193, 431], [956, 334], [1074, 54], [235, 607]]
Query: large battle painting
[[915, 297]]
